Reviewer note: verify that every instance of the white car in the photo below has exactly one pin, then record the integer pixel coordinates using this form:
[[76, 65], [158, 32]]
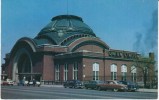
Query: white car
[[37, 83], [7, 82], [31, 83]]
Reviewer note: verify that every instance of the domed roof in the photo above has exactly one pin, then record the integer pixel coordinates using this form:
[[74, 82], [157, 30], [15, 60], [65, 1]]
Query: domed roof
[[61, 28], [69, 23]]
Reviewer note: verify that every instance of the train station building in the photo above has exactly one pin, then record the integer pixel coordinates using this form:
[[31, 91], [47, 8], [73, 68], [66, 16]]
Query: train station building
[[68, 49]]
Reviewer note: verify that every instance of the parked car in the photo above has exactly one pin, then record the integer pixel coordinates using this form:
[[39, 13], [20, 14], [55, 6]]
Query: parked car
[[31, 83], [26, 83], [131, 86], [93, 84], [23, 83], [73, 84], [112, 85], [7, 82]]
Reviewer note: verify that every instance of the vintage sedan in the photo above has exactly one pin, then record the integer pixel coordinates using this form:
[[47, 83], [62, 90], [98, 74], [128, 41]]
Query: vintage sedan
[[93, 84], [112, 85], [131, 85]]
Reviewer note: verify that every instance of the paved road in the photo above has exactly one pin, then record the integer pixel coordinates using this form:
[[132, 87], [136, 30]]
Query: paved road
[[24, 92]]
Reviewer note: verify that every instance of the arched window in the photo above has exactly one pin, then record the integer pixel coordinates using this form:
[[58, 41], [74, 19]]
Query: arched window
[[95, 71], [124, 72], [113, 68], [133, 73]]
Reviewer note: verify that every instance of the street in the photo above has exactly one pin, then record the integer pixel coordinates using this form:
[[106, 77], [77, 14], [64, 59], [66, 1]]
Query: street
[[26, 92]]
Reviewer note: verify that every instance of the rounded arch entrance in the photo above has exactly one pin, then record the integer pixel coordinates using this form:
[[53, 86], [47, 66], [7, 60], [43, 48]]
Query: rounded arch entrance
[[22, 65]]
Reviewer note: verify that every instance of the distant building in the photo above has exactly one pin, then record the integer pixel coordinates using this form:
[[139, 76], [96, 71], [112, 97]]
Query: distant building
[[67, 49]]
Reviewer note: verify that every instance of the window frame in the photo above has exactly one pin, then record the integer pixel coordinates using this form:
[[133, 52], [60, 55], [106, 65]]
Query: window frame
[[95, 71], [113, 71], [66, 72], [57, 72]]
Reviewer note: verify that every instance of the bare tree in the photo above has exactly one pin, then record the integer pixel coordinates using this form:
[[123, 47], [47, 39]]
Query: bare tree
[[146, 68]]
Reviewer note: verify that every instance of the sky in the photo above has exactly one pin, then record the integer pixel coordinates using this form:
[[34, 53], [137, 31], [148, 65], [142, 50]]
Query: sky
[[129, 25]]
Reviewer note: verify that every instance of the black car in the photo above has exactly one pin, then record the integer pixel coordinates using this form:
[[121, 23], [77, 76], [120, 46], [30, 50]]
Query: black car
[[93, 84], [73, 84], [131, 85]]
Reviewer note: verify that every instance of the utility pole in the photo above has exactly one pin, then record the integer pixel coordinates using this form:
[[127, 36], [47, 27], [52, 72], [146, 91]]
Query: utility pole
[[104, 62]]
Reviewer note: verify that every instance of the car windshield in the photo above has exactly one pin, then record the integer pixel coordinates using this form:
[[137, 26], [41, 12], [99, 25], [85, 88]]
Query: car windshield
[[126, 82], [9, 80], [78, 81], [119, 82], [123, 82], [100, 82], [129, 82]]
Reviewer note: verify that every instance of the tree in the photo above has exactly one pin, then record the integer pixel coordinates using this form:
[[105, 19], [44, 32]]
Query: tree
[[146, 68]]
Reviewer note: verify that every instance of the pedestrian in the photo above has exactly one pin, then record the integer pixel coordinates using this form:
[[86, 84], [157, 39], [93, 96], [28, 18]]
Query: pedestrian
[[34, 82]]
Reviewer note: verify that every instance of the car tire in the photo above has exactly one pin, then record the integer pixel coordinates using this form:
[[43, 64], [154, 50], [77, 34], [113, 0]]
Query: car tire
[[115, 90]]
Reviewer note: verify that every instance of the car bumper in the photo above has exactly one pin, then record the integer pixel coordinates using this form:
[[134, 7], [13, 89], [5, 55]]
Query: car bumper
[[132, 89]]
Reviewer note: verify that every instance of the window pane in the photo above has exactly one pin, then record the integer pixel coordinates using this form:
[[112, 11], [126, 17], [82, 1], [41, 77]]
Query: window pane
[[115, 75], [57, 72], [93, 75], [111, 75], [97, 75]]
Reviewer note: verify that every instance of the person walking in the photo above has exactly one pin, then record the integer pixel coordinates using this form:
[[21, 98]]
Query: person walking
[[34, 82]]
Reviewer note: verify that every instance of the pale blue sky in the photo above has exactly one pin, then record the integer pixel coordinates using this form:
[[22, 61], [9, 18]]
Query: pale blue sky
[[116, 22]]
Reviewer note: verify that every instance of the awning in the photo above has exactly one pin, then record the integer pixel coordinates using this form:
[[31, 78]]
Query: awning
[[28, 73]]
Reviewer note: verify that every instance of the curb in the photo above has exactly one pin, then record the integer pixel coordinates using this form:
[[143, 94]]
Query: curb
[[148, 91]]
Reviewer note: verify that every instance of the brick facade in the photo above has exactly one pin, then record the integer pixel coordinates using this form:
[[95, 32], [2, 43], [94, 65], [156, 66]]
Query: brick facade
[[75, 46]]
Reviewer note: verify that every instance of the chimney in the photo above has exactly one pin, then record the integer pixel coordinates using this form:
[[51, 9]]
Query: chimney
[[151, 55]]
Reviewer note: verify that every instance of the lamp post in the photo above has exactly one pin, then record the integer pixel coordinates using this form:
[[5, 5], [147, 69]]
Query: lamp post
[[104, 62]]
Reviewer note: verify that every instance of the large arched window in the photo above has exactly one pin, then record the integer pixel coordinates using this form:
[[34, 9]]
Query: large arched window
[[124, 72], [133, 73], [95, 71], [113, 69]]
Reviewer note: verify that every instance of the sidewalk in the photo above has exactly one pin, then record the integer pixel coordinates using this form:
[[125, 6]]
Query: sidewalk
[[147, 90], [139, 90]]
